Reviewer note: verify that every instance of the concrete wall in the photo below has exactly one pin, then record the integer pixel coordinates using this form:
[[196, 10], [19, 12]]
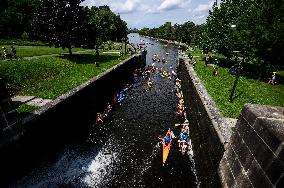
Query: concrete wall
[[250, 156], [204, 117], [66, 119], [255, 154]]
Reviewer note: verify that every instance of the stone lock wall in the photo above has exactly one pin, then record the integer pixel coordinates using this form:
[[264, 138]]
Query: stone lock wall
[[204, 116], [255, 153], [64, 120], [252, 155]]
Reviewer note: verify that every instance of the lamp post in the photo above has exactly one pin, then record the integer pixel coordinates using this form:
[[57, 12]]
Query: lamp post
[[238, 68], [124, 40], [238, 71]]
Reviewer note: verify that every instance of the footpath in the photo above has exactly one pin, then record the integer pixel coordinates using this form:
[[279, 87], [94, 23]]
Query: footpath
[[51, 55]]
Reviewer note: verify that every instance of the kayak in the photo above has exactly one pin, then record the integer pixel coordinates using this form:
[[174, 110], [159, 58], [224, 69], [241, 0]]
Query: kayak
[[167, 147], [120, 96]]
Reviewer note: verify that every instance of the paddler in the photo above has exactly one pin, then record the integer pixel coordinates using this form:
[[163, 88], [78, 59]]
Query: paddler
[[180, 107], [169, 76], [178, 83], [167, 138], [149, 83], [180, 113], [183, 138], [99, 119], [109, 108], [165, 73], [181, 101], [179, 95]]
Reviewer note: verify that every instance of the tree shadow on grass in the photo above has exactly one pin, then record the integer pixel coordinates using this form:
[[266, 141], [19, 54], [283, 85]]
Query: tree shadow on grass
[[251, 71], [237, 96], [89, 58]]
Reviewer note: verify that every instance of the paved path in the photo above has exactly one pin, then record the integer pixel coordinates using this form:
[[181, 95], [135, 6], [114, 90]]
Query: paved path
[[51, 55], [31, 100], [56, 55]]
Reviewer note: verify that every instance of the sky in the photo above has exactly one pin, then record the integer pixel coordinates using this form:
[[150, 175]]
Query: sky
[[154, 13]]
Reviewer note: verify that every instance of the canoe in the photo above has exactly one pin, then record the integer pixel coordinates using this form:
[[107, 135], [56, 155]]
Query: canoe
[[166, 148]]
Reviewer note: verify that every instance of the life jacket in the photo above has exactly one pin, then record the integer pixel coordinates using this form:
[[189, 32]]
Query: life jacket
[[168, 139]]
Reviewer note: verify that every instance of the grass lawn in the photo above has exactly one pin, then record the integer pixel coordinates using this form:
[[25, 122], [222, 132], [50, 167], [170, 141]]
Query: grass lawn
[[248, 90], [23, 108], [51, 77], [29, 51]]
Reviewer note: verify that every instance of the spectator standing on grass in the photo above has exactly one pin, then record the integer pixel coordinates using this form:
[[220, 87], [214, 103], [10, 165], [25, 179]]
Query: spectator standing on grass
[[206, 60], [14, 52], [5, 53], [215, 70], [194, 62], [272, 80]]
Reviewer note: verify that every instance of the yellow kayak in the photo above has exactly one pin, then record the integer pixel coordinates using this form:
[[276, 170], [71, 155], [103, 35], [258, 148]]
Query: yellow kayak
[[167, 147]]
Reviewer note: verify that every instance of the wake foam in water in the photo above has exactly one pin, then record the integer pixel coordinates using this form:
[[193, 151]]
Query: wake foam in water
[[145, 165], [91, 168], [100, 171]]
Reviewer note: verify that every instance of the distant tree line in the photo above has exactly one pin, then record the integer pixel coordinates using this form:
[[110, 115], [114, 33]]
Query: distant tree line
[[61, 23], [186, 33], [134, 30]]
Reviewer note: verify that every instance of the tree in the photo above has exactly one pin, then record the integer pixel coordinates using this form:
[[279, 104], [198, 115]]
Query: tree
[[186, 33], [16, 17], [59, 23], [103, 25], [258, 30]]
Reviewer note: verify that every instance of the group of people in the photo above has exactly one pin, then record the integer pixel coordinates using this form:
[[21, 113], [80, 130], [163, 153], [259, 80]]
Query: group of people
[[184, 140], [7, 55], [102, 116], [152, 69], [155, 58], [180, 108], [117, 99]]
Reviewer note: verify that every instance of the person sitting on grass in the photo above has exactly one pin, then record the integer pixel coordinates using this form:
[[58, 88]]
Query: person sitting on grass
[[233, 70], [272, 80], [215, 72]]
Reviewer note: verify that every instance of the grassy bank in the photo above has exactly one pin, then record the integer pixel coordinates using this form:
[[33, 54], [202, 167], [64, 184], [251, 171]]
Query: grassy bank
[[248, 90], [53, 76], [37, 48]]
